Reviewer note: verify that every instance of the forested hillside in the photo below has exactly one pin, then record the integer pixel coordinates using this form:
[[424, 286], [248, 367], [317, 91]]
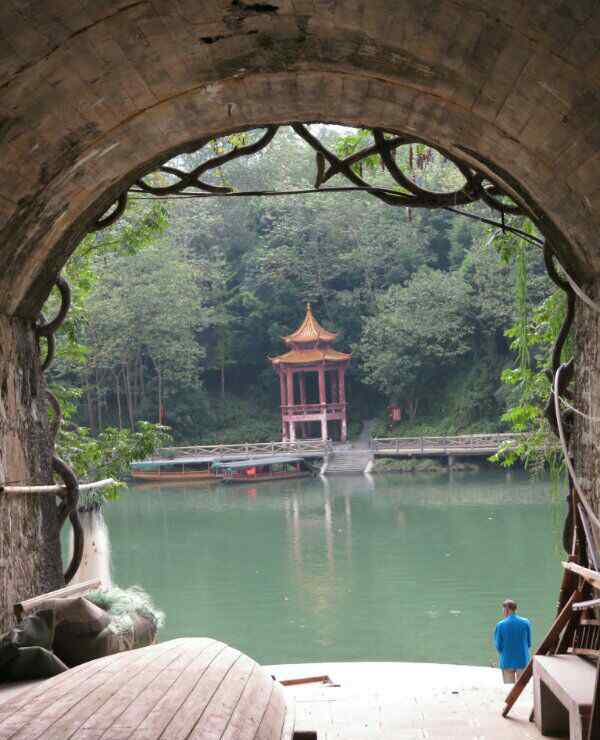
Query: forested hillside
[[179, 306]]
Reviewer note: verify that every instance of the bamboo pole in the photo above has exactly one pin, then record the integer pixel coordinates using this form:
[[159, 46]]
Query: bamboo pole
[[57, 490]]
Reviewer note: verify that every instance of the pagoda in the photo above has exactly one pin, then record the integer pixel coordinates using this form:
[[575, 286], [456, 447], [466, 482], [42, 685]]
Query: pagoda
[[312, 383]]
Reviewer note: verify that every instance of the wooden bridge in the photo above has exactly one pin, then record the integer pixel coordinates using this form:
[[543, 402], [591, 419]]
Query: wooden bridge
[[302, 447], [467, 445]]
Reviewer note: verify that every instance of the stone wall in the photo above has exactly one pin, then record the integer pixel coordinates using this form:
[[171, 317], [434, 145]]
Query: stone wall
[[586, 385], [29, 554], [91, 94]]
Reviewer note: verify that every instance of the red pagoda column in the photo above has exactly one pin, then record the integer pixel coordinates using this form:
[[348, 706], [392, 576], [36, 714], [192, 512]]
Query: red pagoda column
[[283, 397], [335, 396], [303, 397], [323, 402], [342, 400], [290, 395]]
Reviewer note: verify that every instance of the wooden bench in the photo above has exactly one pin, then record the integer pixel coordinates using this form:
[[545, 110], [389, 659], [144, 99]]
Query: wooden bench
[[563, 689]]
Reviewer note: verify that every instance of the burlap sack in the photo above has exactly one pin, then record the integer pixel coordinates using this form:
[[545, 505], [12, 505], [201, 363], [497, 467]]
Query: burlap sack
[[123, 633], [25, 651]]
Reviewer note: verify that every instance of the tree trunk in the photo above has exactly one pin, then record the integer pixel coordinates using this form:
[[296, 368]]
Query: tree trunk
[[128, 395], [134, 377], [118, 393], [30, 560], [412, 405], [585, 441], [223, 382], [142, 389], [90, 405], [160, 404], [99, 399]]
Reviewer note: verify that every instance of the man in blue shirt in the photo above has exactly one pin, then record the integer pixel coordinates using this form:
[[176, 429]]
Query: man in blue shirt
[[512, 638]]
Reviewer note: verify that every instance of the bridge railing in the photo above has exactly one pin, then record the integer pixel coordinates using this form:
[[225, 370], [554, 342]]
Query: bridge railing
[[446, 444], [247, 448]]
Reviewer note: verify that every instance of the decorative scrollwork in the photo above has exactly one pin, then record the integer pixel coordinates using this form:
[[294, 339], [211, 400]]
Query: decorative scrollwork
[[563, 392], [192, 179], [112, 215], [408, 194], [412, 195], [47, 329], [67, 509]]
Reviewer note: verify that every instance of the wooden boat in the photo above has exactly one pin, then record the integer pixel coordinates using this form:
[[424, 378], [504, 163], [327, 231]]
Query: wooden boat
[[176, 469], [263, 469]]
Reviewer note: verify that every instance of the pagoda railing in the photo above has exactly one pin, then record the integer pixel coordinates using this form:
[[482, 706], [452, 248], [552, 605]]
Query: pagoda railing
[[305, 409]]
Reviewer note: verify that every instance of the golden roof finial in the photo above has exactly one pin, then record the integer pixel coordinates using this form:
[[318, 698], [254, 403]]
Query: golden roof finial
[[310, 330]]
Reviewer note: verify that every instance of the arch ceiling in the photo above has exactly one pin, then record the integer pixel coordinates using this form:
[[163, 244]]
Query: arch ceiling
[[92, 94]]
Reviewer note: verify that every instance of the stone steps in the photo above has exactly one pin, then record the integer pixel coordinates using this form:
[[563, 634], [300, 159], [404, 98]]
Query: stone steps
[[348, 462]]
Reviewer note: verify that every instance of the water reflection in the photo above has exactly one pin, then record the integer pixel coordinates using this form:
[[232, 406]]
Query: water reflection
[[386, 567]]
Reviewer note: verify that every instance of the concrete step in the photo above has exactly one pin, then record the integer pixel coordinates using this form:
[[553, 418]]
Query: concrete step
[[348, 462]]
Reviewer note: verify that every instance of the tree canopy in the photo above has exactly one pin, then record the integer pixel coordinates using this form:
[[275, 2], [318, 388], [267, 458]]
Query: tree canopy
[[180, 304]]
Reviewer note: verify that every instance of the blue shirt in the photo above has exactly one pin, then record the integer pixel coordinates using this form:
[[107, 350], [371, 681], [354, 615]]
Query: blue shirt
[[512, 638]]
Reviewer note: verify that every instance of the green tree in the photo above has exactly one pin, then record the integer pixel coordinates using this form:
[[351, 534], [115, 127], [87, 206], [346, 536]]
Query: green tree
[[417, 332]]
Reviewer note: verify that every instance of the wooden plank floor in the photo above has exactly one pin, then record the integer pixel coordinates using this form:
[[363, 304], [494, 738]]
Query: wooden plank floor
[[195, 688]]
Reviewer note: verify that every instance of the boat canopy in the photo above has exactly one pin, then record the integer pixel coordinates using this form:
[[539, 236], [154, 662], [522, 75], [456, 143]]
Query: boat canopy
[[154, 464], [256, 461]]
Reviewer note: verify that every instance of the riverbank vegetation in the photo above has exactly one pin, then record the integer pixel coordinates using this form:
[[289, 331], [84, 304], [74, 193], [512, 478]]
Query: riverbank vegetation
[[179, 305]]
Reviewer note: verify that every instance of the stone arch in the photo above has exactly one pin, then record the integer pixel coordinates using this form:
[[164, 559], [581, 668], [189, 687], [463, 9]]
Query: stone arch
[[93, 95]]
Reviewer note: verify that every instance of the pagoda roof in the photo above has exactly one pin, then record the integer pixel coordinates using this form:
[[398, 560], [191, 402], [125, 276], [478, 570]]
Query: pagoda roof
[[310, 356], [310, 330]]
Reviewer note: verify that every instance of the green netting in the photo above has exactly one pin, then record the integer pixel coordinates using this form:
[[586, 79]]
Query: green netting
[[122, 603]]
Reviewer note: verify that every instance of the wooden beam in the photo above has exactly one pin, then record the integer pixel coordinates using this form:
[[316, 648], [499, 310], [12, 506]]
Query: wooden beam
[[57, 490], [77, 589], [589, 575], [307, 679], [586, 605], [547, 644]]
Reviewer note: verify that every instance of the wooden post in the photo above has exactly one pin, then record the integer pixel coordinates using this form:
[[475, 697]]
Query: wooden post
[[282, 389], [341, 398], [323, 402], [302, 379], [322, 395], [341, 384], [290, 386], [324, 428], [594, 731], [335, 386]]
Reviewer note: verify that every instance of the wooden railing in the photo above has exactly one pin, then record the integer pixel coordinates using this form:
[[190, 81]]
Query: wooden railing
[[423, 445], [247, 448], [302, 409]]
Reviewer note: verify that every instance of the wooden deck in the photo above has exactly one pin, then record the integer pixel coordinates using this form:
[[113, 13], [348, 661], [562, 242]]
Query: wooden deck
[[195, 688]]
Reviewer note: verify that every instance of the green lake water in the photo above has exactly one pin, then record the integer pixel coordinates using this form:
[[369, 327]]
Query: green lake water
[[393, 567]]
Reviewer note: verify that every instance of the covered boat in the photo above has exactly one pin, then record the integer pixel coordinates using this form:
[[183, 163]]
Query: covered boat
[[258, 469], [176, 469]]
